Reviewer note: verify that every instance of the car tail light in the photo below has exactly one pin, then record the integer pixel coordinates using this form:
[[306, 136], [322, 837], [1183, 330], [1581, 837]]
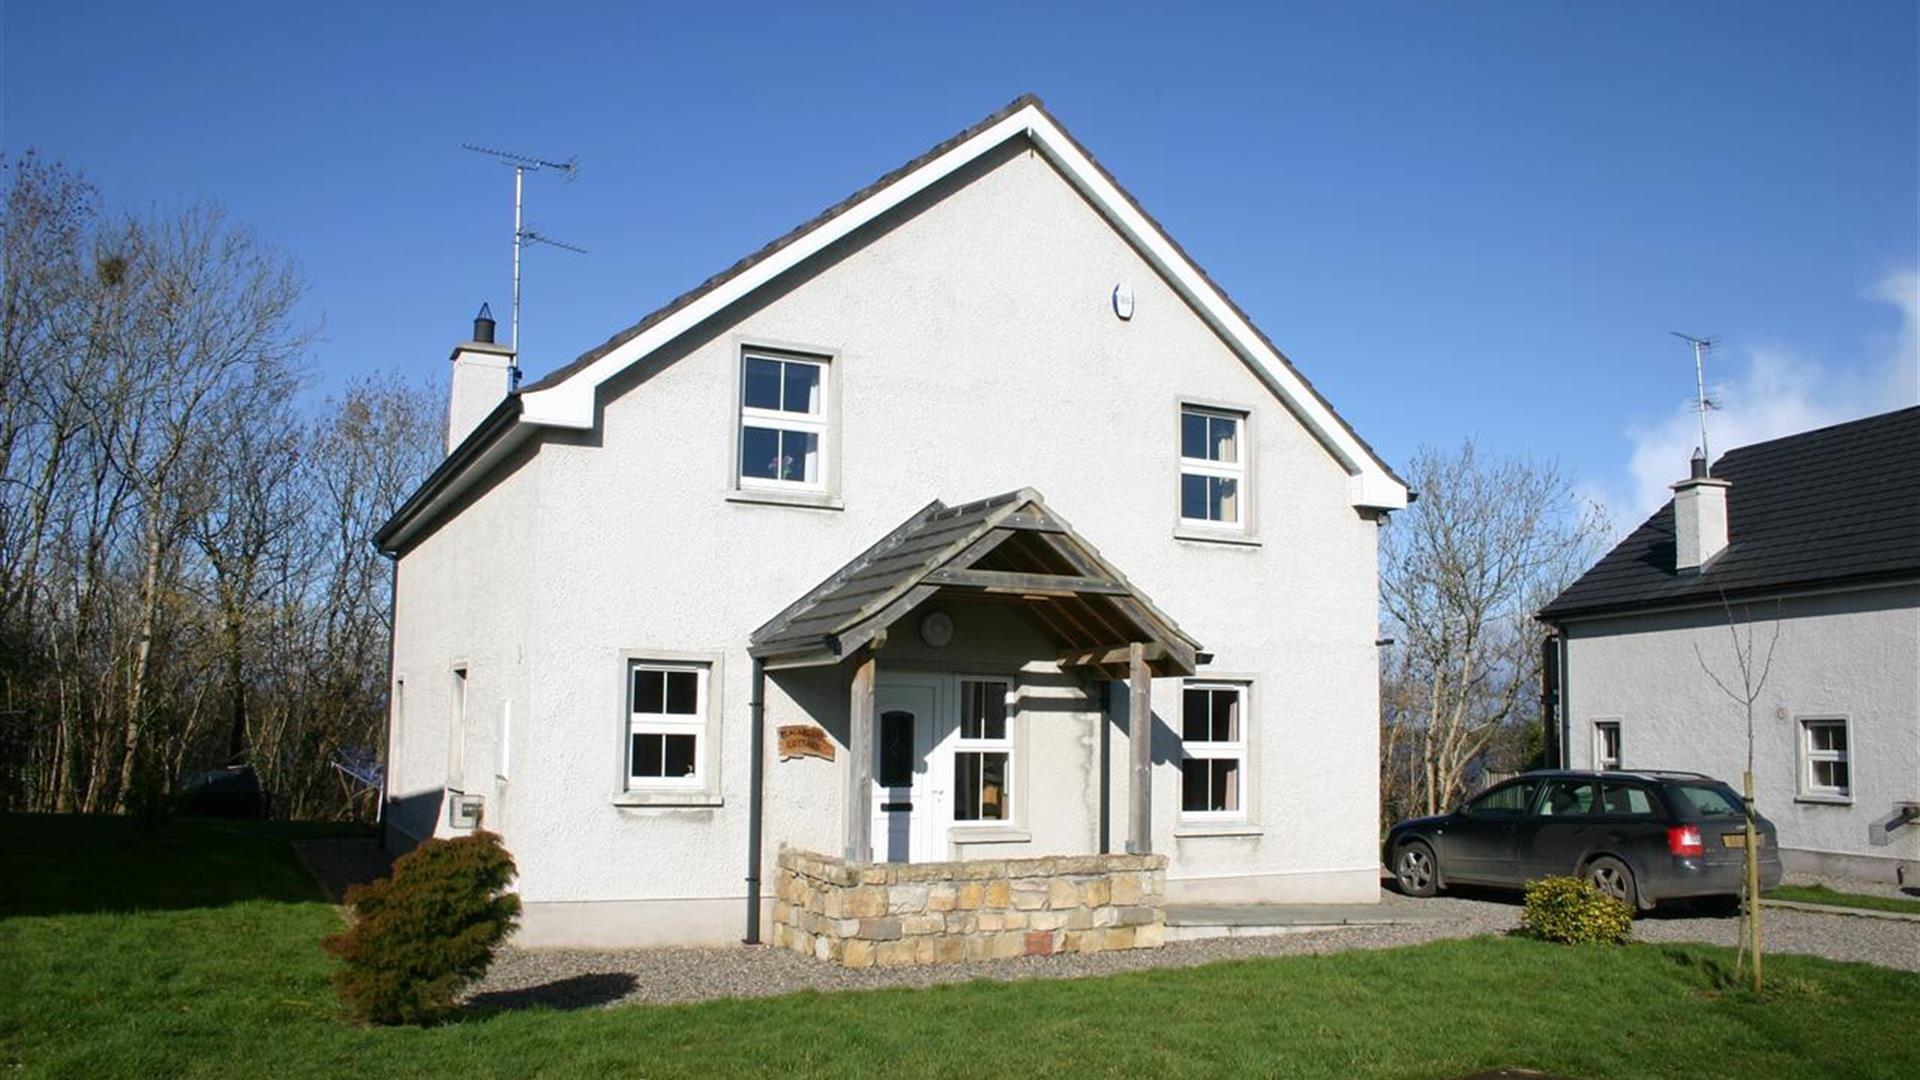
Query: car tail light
[[1685, 840]]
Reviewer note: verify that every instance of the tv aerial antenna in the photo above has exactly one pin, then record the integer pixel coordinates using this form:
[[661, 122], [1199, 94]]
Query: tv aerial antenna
[[523, 164], [1701, 347]]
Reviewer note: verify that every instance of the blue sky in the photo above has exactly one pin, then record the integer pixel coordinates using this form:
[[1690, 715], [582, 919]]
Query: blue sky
[[1457, 219]]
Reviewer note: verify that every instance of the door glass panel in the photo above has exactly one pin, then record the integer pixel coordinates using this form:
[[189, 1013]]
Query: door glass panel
[[1622, 800], [1569, 798], [1509, 801], [896, 748]]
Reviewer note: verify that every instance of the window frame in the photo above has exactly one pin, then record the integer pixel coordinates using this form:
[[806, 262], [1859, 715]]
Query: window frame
[[1243, 531], [1599, 726], [824, 491], [1240, 750], [1007, 744], [1807, 756], [1235, 470], [703, 787]]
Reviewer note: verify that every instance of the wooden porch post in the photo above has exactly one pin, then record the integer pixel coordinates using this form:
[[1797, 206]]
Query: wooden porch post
[[859, 802], [1140, 744]]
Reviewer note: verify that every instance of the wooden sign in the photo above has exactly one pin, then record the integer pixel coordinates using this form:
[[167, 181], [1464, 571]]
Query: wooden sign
[[804, 740]]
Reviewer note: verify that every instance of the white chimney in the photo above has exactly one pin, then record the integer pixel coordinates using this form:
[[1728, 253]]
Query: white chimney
[[483, 375], [1699, 517]]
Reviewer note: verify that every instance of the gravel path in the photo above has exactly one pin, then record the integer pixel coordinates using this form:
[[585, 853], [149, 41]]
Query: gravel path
[[565, 978]]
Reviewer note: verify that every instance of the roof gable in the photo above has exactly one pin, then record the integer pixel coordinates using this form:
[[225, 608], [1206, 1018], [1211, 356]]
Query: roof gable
[[1837, 505], [565, 398]]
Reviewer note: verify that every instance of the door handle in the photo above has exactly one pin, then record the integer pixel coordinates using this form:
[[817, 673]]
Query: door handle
[[896, 806]]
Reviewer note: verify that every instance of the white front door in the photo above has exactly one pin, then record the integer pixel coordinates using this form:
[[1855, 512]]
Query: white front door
[[909, 799]]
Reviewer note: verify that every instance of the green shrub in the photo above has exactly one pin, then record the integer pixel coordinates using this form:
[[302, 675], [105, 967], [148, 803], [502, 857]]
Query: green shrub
[[1571, 910], [420, 935]]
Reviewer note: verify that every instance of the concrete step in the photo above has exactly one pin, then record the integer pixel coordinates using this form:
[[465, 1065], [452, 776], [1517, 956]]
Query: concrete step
[[1186, 922]]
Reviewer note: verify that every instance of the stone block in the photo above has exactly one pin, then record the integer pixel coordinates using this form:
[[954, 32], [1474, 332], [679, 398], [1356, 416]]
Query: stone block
[[1013, 920], [980, 869], [980, 946], [1074, 941], [941, 897], [1008, 945], [1120, 937], [1048, 920], [990, 921], [894, 953], [1127, 888], [950, 950], [926, 950], [1039, 943], [915, 925], [969, 896], [831, 902], [1096, 892], [875, 875], [857, 954], [866, 901], [1029, 894], [1138, 915], [1150, 936], [1062, 894], [962, 922], [823, 948], [885, 929], [1081, 918], [996, 893], [1106, 916], [907, 899]]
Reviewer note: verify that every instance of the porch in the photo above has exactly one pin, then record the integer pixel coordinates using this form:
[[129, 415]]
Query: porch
[[900, 890]]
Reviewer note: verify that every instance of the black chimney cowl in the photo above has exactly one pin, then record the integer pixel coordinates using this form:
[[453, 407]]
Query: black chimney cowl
[[483, 325], [1698, 462]]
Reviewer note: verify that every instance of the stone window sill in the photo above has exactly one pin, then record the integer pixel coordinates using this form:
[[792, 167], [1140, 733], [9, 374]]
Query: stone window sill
[[1215, 536], [989, 835], [667, 798], [1825, 800], [1222, 828], [817, 500]]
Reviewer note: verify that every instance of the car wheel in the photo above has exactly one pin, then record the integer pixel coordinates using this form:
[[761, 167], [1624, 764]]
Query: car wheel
[[1414, 869], [1612, 877]]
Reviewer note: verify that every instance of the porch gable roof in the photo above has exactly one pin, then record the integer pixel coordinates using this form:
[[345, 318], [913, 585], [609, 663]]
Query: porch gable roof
[[1009, 548]]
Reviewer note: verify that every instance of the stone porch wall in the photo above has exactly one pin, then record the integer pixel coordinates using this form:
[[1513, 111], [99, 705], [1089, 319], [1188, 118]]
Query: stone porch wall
[[895, 914]]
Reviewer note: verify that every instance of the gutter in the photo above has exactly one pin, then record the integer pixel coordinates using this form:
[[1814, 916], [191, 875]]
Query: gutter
[[756, 796]]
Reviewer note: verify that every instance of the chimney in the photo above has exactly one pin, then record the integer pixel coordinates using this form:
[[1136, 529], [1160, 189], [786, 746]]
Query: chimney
[[483, 375], [1699, 517]]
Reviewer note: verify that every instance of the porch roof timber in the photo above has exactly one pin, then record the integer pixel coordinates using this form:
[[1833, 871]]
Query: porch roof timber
[[1009, 549]]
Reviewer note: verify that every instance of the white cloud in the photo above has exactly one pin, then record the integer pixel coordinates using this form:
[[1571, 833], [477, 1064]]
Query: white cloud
[[1771, 390]]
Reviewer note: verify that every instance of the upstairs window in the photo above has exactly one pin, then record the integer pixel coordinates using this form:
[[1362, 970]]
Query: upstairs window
[[783, 422], [1213, 750], [1212, 468]]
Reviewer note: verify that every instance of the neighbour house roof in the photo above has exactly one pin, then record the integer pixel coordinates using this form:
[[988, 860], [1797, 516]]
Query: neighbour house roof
[[1007, 549], [566, 397], [1840, 505]]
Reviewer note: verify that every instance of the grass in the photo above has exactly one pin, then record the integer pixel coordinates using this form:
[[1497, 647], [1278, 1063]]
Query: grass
[[192, 950], [1820, 894]]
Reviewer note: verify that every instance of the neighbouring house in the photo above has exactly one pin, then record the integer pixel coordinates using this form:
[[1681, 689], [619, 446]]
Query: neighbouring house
[[1809, 546], [963, 564]]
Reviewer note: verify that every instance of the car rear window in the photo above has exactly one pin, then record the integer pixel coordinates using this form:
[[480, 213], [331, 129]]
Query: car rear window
[[1706, 801], [1626, 800]]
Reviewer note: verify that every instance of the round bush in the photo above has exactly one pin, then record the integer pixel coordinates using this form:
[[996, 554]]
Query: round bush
[[420, 935], [1571, 910]]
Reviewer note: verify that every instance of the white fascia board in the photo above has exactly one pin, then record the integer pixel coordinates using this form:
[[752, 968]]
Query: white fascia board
[[570, 404]]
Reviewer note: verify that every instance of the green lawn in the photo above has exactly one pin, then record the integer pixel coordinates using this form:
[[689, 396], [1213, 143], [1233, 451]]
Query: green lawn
[[192, 950], [1820, 894]]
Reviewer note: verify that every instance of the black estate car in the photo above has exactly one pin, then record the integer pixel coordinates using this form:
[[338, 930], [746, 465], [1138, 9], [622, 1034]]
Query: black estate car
[[1642, 836]]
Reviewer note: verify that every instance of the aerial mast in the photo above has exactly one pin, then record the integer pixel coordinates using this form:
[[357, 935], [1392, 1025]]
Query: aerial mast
[[1701, 346], [523, 164]]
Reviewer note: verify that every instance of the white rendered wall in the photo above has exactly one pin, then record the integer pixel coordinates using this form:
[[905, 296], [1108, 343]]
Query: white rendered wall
[[975, 353], [1852, 654]]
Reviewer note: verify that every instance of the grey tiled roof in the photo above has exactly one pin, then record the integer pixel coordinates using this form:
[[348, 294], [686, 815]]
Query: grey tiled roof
[[1832, 506]]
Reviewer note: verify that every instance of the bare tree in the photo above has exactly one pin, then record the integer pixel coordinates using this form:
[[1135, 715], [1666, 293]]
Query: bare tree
[[1752, 669], [1463, 569]]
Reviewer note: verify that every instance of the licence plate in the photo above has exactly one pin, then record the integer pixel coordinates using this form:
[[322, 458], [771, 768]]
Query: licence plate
[[1739, 840]]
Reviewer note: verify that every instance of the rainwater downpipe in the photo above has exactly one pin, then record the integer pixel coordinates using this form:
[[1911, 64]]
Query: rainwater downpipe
[[756, 784]]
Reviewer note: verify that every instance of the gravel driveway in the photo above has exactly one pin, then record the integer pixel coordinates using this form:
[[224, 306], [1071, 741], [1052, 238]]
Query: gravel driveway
[[582, 979]]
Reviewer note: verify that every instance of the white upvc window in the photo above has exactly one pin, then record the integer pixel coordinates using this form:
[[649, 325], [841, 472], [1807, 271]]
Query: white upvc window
[[784, 422], [1213, 751], [1606, 745], [1826, 767], [1212, 468], [983, 752], [666, 725]]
